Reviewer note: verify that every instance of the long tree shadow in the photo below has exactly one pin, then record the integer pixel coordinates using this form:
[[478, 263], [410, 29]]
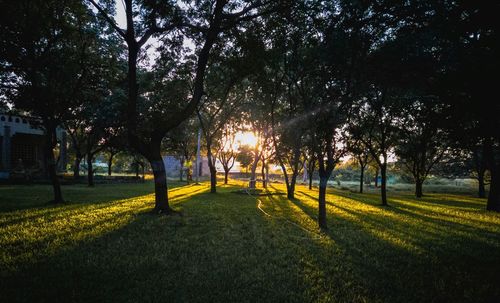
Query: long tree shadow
[[349, 249], [439, 213], [34, 197], [356, 245], [27, 238], [95, 201], [423, 238], [218, 239], [225, 249], [442, 200]]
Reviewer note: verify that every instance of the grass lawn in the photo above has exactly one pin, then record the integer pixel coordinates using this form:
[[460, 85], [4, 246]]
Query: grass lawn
[[106, 245]]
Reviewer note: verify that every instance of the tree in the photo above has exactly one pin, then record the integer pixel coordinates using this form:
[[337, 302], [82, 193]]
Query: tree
[[220, 104], [362, 158], [287, 102], [204, 22], [310, 167], [96, 124], [469, 49], [48, 54], [479, 169], [422, 142], [245, 156], [329, 84], [115, 144], [182, 142], [226, 152]]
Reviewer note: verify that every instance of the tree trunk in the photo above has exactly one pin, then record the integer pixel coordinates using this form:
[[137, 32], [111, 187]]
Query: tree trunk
[[481, 189], [376, 177], [494, 194], [263, 172], [226, 174], [110, 163], [304, 175], [310, 170], [213, 179], [291, 188], [267, 174], [137, 169], [76, 169], [361, 179], [323, 181], [383, 185], [90, 171], [213, 171], [51, 166], [253, 176], [418, 188], [160, 180]]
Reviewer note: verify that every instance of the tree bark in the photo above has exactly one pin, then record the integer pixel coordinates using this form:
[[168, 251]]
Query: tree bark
[[376, 177], [383, 185], [90, 171], [51, 165], [310, 170], [226, 174], [267, 174], [291, 188], [361, 179], [323, 181], [160, 180], [481, 186], [253, 175], [494, 194], [213, 170], [263, 172], [76, 169], [213, 179], [310, 181], [418, 188], [110, 163]]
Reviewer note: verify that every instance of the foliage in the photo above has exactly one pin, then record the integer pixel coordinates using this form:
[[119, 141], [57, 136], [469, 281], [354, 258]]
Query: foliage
[[245, 156]]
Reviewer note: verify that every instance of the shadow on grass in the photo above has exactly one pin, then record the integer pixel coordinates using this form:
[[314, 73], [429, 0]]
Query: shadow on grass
[[419, 237], [216, 251], [442, 200], [24, 197], [225, 249], [32, 234]]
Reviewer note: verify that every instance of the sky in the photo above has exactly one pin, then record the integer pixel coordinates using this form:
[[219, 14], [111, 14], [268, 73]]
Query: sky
[[121, 21]]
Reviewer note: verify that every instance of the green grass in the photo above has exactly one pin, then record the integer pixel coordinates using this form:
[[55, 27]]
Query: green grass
[[106, 245]]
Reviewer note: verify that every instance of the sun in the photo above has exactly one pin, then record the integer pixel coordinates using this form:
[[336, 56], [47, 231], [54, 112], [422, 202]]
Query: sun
[[246, 138]]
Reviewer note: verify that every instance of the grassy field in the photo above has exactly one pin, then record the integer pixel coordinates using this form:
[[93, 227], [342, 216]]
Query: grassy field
[[106, 245]]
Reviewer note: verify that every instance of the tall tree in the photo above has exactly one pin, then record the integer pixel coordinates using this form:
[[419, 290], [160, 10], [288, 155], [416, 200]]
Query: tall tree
[[468, 35], [422, 142], [203, 22], [47, 60], [362, 158], [181, 141], [221, 101], [226, 152]]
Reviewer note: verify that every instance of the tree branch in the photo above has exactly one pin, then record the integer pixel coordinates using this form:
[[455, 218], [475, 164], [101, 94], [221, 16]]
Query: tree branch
[[110, 20]]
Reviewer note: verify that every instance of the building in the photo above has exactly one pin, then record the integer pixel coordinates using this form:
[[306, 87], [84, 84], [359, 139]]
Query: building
[[173, 166], [22, 146]]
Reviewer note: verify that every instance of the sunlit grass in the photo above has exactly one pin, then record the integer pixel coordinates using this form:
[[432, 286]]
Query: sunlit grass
[[106, 245], [31, 234]]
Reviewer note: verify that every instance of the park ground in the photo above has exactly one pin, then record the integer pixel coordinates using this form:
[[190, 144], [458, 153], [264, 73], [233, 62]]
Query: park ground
[[105, 245]]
